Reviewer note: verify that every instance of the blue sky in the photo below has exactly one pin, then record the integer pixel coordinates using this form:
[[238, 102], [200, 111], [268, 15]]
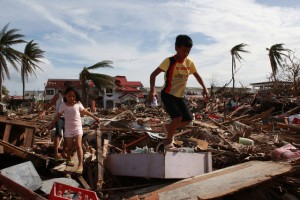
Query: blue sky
[[138, 34]]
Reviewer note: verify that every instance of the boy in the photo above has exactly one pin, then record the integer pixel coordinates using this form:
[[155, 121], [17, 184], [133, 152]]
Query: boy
[[177, 69], [56, 100]]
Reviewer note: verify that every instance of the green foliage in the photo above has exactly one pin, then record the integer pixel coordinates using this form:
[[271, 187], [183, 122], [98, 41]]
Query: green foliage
[[8, 38], [235, 55], [275, 55], [100, 80], [30, 59]]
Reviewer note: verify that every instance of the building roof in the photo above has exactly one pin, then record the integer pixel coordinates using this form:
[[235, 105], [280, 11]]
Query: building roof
[[270, 83], [127, 86], [121, 82]]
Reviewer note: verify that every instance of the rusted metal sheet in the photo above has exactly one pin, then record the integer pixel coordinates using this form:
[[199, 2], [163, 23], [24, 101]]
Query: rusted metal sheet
[[155, 165], [219, 183]]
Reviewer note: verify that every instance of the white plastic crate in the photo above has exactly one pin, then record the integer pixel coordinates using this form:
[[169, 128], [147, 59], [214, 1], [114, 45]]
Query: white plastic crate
[[154, 165]]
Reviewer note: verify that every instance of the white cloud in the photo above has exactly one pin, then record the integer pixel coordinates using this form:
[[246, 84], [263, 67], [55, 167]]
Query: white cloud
[[137, 35]]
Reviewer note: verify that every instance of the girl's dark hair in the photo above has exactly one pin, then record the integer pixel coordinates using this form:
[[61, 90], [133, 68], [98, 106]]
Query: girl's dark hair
[[69, 89], [183, 40]]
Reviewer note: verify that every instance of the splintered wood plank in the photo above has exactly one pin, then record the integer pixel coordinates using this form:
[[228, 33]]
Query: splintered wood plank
[[221, 182], [293, 127], [83, 182], [100, 166], [37, 159], [15, 137], [18, 122], [7, 133], [29, 136], [259, 116]]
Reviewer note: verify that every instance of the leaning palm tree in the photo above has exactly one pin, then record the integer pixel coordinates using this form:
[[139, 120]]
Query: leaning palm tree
[[7, 53], [275, 55], [30, 59], [235, 55], [100, 80]]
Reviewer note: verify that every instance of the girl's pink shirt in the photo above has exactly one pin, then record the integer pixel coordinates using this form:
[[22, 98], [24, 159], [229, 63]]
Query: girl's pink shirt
[[73, 125]]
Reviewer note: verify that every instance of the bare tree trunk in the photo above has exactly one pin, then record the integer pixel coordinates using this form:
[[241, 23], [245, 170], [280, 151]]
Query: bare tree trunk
[[23, 82]]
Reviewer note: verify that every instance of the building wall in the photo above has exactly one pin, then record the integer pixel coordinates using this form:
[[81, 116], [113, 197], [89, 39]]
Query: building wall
[[109, 98], [54, 91], [112, 99]]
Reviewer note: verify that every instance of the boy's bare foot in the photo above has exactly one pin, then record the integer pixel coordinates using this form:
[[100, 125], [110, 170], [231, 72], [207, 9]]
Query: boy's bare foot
[[171, 147]]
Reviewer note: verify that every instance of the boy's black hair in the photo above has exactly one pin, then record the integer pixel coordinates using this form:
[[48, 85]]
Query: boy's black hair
[[183, 40], [69, 89]]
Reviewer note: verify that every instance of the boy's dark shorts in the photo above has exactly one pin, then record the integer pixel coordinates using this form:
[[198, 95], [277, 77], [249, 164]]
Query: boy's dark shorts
[[59, 127], [176, 107]]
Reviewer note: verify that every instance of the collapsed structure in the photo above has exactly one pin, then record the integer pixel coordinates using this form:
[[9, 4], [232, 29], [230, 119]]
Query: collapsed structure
[[224, 153]]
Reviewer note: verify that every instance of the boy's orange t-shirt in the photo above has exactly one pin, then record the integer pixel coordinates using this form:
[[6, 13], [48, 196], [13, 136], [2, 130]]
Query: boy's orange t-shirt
[[176, 76]]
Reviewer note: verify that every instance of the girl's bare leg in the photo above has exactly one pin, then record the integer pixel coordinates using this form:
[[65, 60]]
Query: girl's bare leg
[[69, 147], [78, 145]]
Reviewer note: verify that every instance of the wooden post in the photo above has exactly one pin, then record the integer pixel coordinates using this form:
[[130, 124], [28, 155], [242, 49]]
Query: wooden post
[[7, 133], [100, 163], [29, 136]]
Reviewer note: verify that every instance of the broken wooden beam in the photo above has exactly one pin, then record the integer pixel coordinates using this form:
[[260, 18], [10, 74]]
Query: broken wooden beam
[[219, 183], [83, 182], [294, 110], [125, 129], [259, 116], [100, 160], [289, 126], [17, 132], [37, 159]]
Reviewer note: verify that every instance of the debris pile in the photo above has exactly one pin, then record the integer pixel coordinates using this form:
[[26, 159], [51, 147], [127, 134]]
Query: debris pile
[[227, 131]]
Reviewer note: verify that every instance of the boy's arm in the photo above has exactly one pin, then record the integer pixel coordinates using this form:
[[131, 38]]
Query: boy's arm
[[152, 91], [86, 112], [205, 92], [48, 105], [50, 126]]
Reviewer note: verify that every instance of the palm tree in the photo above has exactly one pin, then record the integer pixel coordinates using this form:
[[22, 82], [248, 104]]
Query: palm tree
[[30, 59], [275, 56], [8, 54], [235, 55], [100, 80]]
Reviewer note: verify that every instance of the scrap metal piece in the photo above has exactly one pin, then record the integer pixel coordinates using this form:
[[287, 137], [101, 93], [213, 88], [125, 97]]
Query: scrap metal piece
[[25, 174]]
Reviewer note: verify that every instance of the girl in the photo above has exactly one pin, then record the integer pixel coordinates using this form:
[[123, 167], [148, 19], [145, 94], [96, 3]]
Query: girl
[[71, 108]]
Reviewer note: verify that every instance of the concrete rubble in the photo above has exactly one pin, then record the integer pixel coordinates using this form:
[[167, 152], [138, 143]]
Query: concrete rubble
[[249, 150]]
